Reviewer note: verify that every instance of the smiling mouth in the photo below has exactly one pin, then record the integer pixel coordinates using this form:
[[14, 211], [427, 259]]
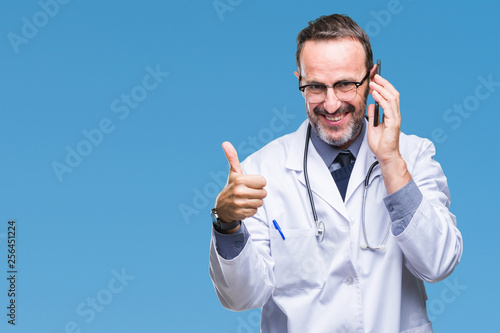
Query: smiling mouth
[[335, 118]]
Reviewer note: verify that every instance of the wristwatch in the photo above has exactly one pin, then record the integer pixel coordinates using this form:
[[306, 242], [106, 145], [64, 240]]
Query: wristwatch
[[222, 226]]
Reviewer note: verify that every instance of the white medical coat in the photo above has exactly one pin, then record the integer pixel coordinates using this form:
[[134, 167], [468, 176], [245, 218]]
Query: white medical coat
[[333, 286]]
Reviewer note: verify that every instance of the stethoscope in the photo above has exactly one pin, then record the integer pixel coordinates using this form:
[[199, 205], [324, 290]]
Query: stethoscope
[[320, 226]]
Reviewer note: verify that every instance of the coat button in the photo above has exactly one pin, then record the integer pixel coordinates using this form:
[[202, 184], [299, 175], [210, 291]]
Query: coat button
[[349, 280]]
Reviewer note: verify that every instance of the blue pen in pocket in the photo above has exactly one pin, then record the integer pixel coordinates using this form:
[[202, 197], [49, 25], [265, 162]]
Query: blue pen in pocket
[[277, 226]]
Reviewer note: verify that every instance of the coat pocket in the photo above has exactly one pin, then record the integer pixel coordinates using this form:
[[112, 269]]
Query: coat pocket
[[297, 262]]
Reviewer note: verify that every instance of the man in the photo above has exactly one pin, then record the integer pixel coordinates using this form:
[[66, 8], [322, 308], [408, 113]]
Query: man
[[360, 267]]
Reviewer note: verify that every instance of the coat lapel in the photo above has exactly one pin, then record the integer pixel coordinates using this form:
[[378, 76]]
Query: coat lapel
[[320, 178], [321, 181], [363, 162]]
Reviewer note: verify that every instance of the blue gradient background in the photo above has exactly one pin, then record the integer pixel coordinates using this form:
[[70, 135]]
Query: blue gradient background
[[140, 200]]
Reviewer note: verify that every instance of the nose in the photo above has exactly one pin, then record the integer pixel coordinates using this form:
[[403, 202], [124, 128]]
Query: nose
[[331, 102]]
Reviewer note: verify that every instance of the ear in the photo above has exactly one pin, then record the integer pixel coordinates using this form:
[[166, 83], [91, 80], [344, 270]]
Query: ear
[[296, 74], [373, 71]]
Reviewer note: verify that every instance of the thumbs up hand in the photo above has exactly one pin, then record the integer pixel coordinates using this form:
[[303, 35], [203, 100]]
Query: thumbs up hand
[[243, 194]]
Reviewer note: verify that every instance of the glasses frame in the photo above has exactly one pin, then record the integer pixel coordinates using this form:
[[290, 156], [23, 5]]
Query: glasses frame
[[357, 84]]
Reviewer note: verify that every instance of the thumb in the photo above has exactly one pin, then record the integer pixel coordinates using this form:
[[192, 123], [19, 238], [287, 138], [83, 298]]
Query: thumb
[[232, 157]]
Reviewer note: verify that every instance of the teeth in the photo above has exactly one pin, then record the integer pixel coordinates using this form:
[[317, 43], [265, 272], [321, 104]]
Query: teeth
[[330, 118]]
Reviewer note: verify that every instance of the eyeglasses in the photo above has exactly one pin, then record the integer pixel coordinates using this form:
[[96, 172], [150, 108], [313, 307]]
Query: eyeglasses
[[344, 90]]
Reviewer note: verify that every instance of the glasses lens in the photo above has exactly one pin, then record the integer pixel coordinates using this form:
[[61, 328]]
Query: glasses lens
[[345, 91], [315, 93]]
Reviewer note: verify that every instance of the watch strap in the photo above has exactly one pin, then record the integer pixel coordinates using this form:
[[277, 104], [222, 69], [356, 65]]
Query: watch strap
[[222, 226]]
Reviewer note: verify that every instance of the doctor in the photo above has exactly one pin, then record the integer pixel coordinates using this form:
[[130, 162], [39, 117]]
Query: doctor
[[336, 280]]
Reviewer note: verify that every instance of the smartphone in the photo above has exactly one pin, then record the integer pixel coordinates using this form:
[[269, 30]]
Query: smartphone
[[376, 117]]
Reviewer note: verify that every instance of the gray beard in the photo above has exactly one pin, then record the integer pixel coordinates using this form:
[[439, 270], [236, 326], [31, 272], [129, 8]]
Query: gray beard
[[351, 131]]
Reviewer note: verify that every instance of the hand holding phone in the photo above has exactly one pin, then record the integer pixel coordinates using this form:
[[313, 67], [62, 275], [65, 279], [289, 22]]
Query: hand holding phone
[[376, 117]]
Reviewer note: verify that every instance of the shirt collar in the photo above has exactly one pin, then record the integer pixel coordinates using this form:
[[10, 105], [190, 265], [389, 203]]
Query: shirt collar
[[328, 152]]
